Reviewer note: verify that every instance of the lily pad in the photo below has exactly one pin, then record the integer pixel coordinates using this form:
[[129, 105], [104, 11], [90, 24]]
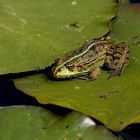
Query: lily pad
[[34, 33], [35, 123], [116, 101]]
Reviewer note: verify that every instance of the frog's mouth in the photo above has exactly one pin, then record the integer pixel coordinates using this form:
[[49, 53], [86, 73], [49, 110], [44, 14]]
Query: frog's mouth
[[66, 73]]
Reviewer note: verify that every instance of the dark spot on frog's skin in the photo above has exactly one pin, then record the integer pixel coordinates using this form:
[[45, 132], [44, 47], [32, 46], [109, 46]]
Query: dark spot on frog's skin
[[109, 54], [79, 68], [59, 70], [116, 58], [116, 64], [127, 58], [128, 52], [118, 53]]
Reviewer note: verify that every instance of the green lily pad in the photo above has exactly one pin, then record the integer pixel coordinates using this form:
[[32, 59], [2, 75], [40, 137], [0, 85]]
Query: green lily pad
[[34, 123], [116, 101], [34, 33]]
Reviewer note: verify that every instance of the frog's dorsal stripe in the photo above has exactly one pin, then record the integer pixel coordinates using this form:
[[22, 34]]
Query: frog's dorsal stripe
[[80, 54], [90, 61]]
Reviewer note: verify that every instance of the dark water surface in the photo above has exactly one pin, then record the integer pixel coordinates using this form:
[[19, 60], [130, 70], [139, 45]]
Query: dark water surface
[[134, 1]]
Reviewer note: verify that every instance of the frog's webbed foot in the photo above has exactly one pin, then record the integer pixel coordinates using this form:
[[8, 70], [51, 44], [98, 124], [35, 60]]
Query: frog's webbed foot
[[83, 77], [86, 77], [113, 73]]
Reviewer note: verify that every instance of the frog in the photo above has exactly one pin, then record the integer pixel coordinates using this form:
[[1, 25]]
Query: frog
[[83, 62], [86, 62]]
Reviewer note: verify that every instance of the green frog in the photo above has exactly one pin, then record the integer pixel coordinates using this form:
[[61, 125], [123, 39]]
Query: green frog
[[86, 61]]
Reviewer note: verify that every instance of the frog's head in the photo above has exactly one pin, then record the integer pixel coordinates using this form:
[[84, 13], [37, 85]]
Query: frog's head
[[64, 70]]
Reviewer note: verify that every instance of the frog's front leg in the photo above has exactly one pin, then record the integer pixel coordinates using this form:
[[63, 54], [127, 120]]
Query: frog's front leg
[[112, 73], [94, 73]]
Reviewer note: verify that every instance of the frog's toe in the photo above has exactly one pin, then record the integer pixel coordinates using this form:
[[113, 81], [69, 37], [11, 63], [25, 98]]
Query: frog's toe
[[94, 74], [113, 73], [92, 77], [83, 77]]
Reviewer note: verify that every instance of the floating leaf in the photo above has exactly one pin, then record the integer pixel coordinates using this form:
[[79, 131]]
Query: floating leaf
[[34, 123]]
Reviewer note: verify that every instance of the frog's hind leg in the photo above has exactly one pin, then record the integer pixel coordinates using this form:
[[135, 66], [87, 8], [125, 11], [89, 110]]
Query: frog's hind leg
[[120, 59]]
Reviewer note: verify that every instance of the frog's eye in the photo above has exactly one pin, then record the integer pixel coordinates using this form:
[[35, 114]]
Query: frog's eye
[[69, 66]]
